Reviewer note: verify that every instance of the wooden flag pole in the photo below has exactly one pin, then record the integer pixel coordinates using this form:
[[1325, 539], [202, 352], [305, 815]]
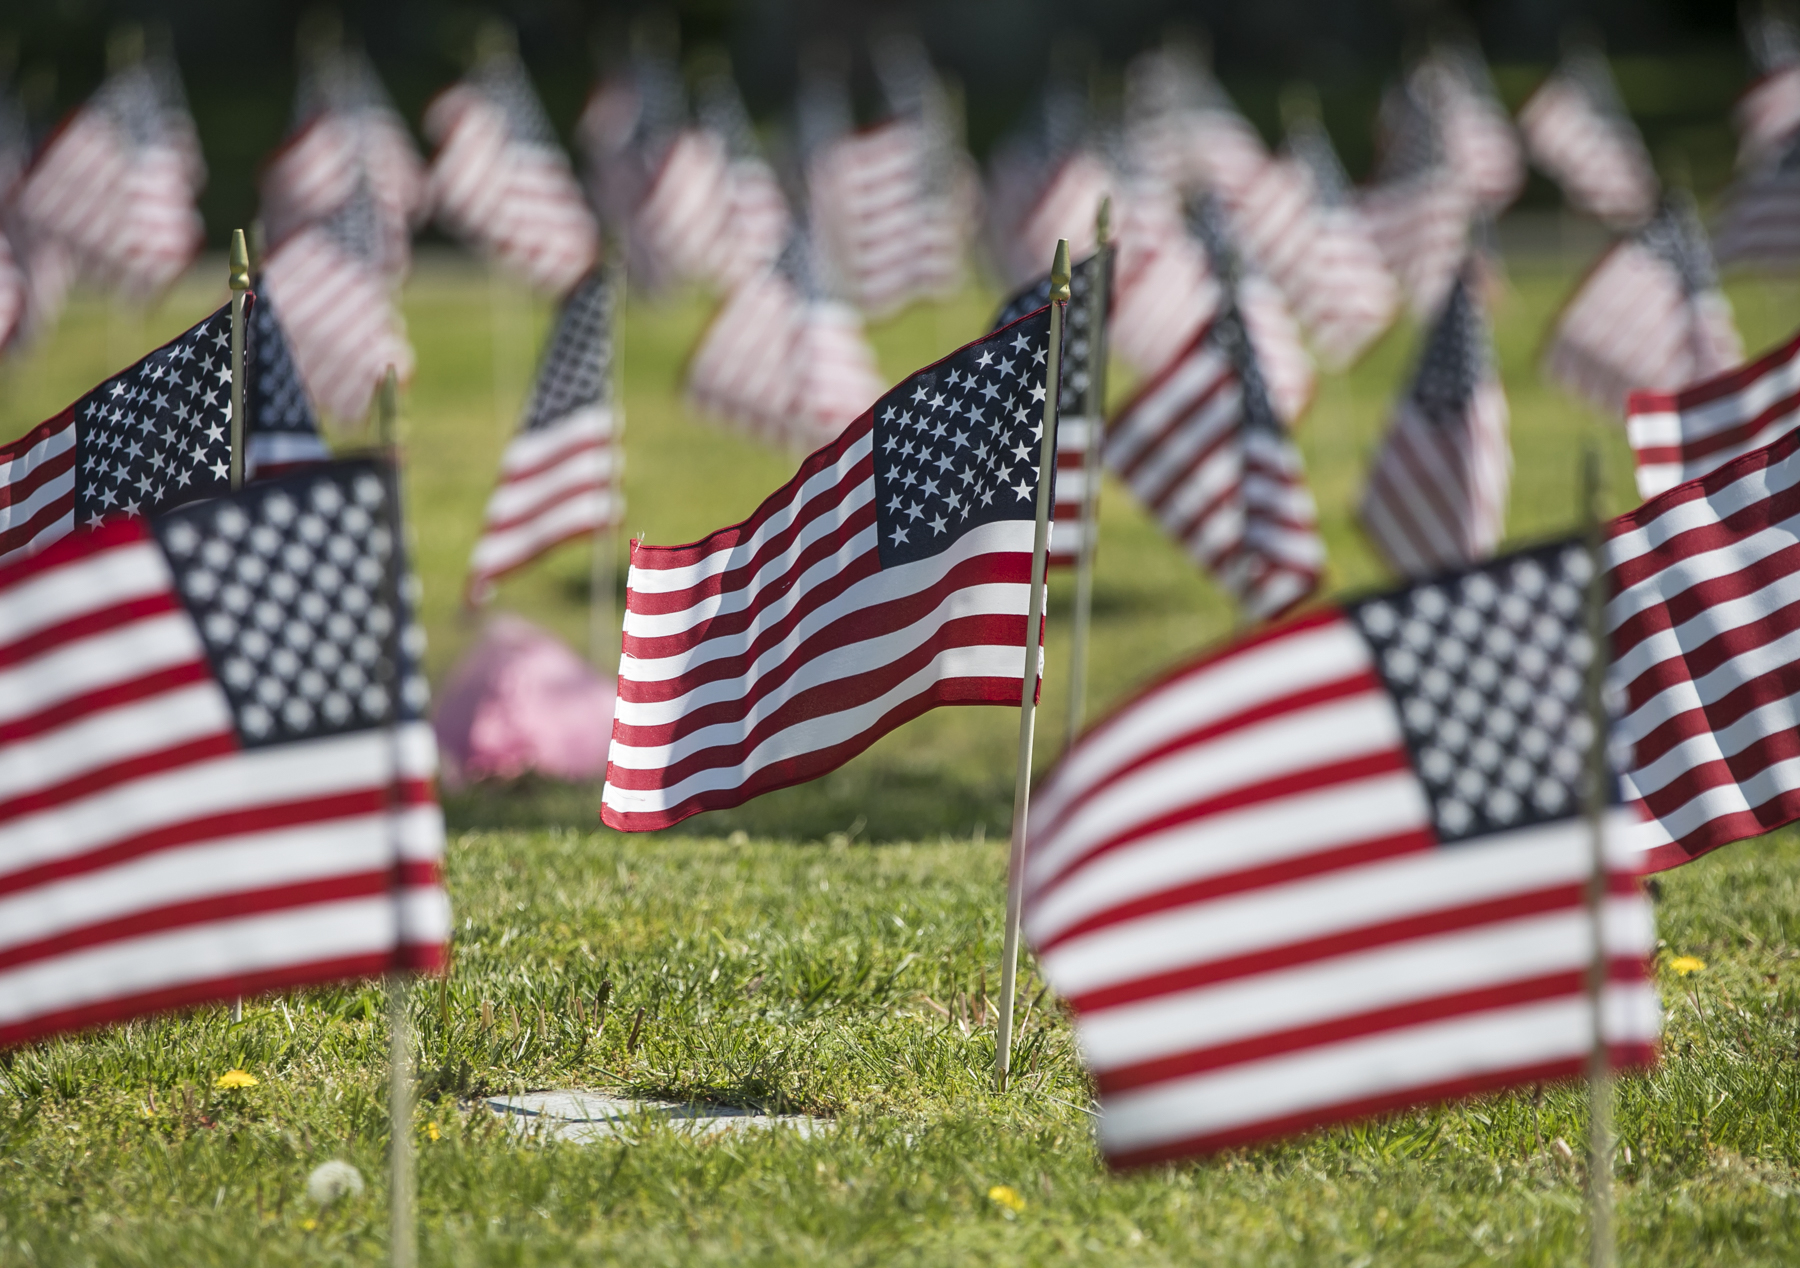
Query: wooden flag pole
[[239, 279], [1600, 1089], [1093, 407], [1040, 547], [403, 1247]]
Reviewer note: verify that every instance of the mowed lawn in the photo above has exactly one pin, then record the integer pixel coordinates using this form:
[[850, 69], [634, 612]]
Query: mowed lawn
[[834, 948]]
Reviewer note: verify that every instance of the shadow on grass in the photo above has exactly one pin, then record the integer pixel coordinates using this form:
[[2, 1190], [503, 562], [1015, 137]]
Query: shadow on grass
[[869, 801]]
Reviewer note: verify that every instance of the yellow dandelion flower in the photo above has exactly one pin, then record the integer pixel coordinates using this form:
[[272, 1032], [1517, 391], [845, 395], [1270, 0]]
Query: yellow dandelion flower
[[309, 1225], [1007, 1196], [431, 1130], [236, 1078], [1687, 964]]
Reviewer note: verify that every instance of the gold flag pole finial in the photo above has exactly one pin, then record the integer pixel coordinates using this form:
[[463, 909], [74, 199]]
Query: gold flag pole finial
[[240, 288], [1060, 273], [1103, 221]]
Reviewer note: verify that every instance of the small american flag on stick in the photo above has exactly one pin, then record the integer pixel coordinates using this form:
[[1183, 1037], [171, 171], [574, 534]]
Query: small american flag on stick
[[1202, 447], [559, 477], [1760, 221], [1419, 210], [1681, 436], [890, 575], [1649, 315], [1340, 869], [219, 776], [154, 436], [1577, 130], [342, 325], [501, 181], [1437, 493], [1768, 114], [117, 181]]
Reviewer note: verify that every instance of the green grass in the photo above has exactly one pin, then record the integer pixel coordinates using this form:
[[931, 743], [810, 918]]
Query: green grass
[[832, 949]]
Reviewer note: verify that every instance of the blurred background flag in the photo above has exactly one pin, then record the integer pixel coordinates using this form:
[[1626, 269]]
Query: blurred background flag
[[193, 810], [1203, 448], [890, 575], [757, 222], [341, 321], [785, 358], [1649, 315], [1336, 279], [1075, 431], [1436, 496], [281, 433], [1479, 140], [1285, 887], [1702, 618], [1759, 222], [627, 127], [346, 136], [1768, 113], [1045, 180], [560, 476], [116, 182], [1418, 208], [1578, 132], [153, 436], [1681, 436], [500, 179]]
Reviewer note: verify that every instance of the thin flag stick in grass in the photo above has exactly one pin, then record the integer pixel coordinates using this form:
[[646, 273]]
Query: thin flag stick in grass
[[1093, 408], [1600, 1092], [1028, 690], [402, 1234], [239, 278], [605, 635]]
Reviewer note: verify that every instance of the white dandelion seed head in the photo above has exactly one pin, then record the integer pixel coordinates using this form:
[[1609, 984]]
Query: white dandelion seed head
[[333, 1180]]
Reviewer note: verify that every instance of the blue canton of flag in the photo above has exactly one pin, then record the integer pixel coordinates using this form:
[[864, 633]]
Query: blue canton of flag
[[957, 445], [159, 434]]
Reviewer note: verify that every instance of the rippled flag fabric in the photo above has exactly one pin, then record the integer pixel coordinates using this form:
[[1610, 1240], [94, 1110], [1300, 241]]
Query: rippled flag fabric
[[1576, 129], [1339, 869], [889, 576], [1075, 429], [153, 436], [216, 769]]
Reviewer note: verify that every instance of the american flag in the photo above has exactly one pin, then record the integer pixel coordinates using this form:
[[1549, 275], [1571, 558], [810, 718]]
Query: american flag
[[1436, 497], [560, 476], [1202, 447], [219, 772], [116, 182], [15, 156], [1338, 283], [1577, 130], [1338, 869], [1768, 114], [1682, 435], [1419, 210], [346, 133], [154, 436], [1045, 182], [1480, 143], [1281, 357], [1164, 287], [885, 230], [785, 359], [757, 220], [1701, 617], [501, 181], [1649, 315], [1183, 130], [342, 325], [683, 219], [1076, 427], [625, 130], [1760, 220], [891, 574]]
